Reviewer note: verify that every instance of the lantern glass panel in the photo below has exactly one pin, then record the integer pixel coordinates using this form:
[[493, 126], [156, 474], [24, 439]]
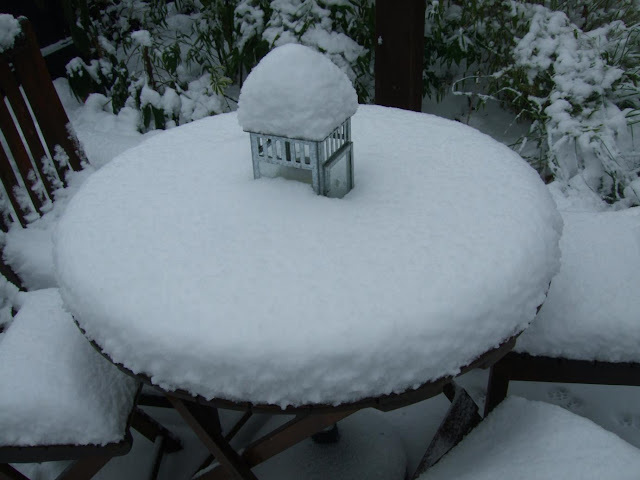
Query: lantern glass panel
[[337, 173]]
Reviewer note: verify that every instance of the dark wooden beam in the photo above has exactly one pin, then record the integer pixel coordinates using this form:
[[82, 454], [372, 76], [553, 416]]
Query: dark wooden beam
[[399, 53], [528, 368]]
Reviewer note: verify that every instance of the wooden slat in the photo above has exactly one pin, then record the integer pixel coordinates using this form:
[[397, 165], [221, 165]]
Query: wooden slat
[[55, 453], [289, 434], [38, 87], [20, 156], [10, 182], [5, 222], [530, 368], [523, 367], [7, 272], [198, 417], [9, 87], [7, 472], [84, 468], [497, 386], [151, 429]]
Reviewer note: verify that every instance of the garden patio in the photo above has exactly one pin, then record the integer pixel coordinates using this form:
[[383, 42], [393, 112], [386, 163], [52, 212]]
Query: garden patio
[[378, 442], [589, 317]]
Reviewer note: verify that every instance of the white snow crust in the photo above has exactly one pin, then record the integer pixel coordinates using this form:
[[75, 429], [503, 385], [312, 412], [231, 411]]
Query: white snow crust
[[141, 37], [532, 440], [9, 30], [591, 312], [56, 389], [296, 92], [182, 266]]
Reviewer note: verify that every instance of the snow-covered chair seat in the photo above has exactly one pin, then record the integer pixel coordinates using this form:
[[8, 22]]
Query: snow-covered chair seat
[[588, 330], [57, 392], [527, 440]]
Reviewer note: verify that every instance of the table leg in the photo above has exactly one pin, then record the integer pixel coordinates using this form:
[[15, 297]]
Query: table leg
[[205, 423], [497, 386], [228, 437], [151, 429], [286, 436], [292, 432]]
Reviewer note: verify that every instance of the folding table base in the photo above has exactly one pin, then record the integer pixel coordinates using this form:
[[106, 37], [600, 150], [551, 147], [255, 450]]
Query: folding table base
[[78, 470], [204, 421]]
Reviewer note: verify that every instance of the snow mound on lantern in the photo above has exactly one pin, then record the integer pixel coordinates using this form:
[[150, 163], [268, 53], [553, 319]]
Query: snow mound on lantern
[[296, 92]]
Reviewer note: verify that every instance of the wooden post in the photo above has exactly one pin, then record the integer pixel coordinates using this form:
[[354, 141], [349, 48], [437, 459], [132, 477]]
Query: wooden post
[[399, 52]]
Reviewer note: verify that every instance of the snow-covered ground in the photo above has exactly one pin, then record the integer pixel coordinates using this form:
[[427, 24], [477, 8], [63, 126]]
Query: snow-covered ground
[[373, 444]]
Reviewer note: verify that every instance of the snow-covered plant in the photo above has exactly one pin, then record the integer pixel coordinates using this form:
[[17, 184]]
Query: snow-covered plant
[[463, 37], [583, 96], [580, 90], [341, 29], [162, 58], [174, 61], [569, 68]]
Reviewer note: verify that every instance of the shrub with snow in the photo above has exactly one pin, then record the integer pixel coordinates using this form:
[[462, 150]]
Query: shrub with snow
[[9, 29], [569, 69], [178, 61]]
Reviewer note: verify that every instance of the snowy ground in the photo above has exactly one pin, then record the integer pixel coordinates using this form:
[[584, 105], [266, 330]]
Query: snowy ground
[[373, 444]]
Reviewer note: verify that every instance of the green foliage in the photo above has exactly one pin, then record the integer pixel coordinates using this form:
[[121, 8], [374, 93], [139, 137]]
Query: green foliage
[[139, 46], [341, 29], [568, 68], [139, 53]]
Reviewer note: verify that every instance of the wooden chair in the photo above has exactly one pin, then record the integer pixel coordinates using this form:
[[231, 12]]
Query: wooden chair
[[527, 439], [41, 144], [588, 330], [39, 149]]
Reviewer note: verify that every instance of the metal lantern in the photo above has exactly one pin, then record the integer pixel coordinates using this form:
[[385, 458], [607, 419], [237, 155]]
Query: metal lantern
[[330, 160]]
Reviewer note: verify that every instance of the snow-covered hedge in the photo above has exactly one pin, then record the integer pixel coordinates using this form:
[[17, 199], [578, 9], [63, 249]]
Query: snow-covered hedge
[[568, 68], [179, 61]]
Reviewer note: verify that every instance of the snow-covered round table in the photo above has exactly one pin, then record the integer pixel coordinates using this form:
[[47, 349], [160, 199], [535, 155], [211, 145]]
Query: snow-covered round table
[[186, 270]]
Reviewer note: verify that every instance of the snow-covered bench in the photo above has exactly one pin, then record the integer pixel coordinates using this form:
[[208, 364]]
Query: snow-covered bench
[[588, 330]]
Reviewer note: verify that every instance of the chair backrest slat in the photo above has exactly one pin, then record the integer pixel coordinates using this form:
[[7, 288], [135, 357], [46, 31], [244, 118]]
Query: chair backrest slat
[[20, 157], [38, 87], [12, 187], [10, 88], [39, 145]]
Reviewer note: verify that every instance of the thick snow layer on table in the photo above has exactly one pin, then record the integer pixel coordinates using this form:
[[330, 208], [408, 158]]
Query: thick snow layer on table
[[183, 267], [56, 389], [296, 92], [530, 440], [9, 29], [592, 311]]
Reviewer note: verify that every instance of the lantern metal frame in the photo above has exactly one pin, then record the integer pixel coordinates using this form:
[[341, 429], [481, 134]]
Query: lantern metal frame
[[320, 157]]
